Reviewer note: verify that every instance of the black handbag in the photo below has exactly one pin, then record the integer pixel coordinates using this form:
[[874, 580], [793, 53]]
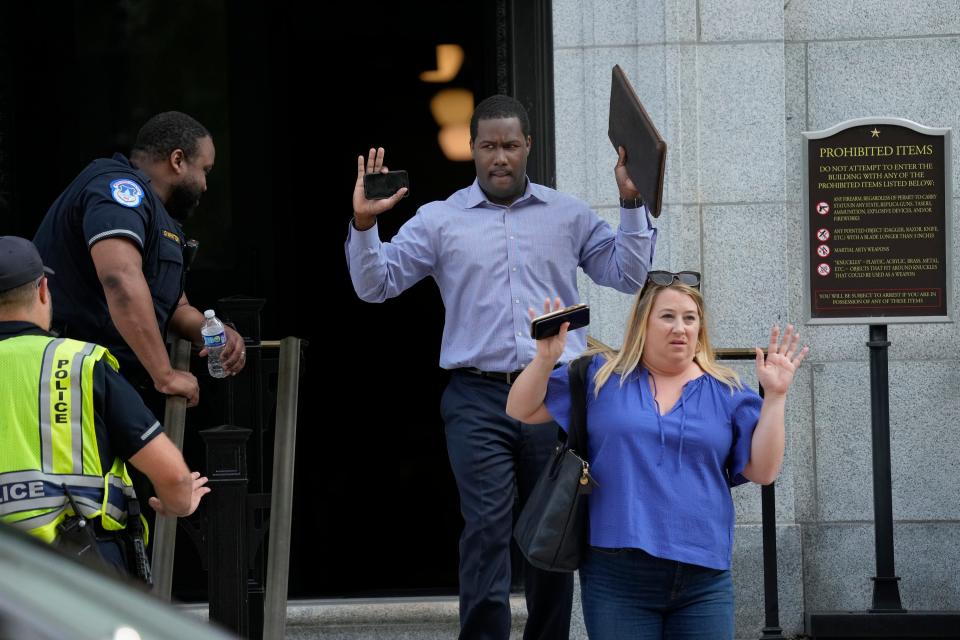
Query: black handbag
[[552, 529]]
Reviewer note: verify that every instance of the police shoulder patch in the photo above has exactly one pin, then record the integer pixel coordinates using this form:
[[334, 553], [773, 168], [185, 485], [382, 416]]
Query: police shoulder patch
[[126, 192]]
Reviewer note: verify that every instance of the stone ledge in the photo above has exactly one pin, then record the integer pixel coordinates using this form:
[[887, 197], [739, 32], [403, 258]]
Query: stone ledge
[[420, 617], [421, 610]]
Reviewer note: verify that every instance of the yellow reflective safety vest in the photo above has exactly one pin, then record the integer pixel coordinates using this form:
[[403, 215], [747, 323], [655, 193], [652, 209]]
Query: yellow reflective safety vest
[[48, 437]]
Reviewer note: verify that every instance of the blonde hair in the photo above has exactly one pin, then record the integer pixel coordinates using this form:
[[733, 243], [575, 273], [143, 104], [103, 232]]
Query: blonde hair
[[627, 359]]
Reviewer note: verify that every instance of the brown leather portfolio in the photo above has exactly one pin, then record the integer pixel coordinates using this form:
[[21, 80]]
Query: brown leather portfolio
[[631, 128]]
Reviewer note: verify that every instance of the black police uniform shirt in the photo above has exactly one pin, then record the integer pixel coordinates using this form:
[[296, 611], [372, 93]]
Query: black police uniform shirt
[[109, 199], [123, 423]]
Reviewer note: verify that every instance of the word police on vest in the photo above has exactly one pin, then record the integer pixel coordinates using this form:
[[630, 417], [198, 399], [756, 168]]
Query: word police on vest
[[21, 490], [61, 385]]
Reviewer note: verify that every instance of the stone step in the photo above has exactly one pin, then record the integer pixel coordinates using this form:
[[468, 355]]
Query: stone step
[[433, 618]]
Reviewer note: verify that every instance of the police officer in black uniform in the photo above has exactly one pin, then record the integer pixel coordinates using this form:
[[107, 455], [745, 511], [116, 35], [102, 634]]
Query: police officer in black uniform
[[115, 241]]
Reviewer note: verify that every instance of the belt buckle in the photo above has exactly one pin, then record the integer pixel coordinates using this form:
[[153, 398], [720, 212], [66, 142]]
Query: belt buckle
[[509, 377]]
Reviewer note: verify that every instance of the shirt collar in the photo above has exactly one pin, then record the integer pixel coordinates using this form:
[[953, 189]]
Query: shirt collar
[[476, 196], [15, 328], [122, 159]]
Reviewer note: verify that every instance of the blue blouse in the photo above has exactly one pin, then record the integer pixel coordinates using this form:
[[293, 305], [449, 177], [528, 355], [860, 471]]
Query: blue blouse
[[664, 481]]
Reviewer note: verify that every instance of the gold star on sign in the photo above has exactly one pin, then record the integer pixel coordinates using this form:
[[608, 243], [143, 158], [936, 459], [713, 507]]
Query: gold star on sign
[[875, 133]]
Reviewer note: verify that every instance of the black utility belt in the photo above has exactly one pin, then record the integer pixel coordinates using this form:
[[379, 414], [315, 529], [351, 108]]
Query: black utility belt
[[95, 527], [103, 535]]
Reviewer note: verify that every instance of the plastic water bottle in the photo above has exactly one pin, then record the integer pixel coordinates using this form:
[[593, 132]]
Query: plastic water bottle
[[214, 339]]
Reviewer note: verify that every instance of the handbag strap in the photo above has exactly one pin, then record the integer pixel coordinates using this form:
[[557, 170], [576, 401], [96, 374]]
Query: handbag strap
[[577, 433]]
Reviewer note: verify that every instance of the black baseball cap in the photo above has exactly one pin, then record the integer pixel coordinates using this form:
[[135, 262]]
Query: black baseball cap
[[20, 263]]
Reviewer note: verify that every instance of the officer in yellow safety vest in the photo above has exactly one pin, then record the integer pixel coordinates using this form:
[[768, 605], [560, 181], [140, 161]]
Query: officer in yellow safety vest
[[68, 422]]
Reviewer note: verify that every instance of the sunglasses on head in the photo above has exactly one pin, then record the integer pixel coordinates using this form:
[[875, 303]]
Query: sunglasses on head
[[667, 278]]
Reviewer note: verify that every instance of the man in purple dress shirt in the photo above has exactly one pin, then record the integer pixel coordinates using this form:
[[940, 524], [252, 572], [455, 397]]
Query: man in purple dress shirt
[[495, 248]]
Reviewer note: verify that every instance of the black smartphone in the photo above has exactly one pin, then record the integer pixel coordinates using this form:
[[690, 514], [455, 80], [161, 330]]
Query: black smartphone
[[549, 323], [379, 186]]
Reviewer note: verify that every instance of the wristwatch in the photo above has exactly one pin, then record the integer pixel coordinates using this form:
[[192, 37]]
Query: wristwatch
[[631, 203]]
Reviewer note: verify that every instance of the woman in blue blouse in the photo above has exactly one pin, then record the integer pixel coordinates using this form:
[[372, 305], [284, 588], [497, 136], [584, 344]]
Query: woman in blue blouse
[[670, 432]]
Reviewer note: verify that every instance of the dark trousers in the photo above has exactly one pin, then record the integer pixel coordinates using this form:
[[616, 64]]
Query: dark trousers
[[494, 458]]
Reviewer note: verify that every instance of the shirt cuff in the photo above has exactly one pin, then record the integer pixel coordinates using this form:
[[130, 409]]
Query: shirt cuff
[[635, 220], [367, 239], [116, 233]]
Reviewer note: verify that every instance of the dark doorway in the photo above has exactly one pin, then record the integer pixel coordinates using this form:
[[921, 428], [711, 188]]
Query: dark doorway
[[381, 517], [292, 97]]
